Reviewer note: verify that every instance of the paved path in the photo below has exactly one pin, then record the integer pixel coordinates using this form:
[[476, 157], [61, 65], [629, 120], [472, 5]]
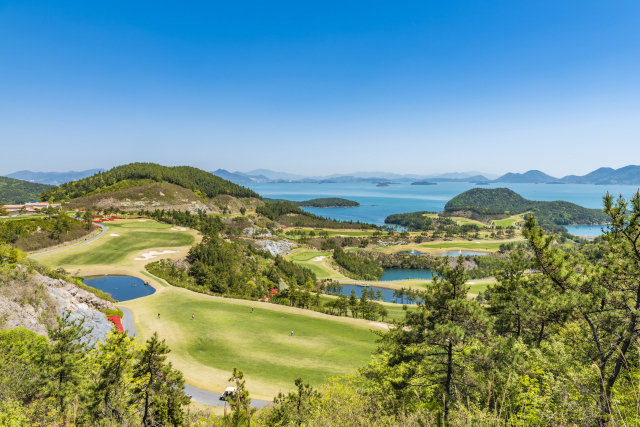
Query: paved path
[[197, 395], [104, 230]]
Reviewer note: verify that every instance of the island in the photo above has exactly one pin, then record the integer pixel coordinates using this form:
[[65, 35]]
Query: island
[[325, 202], [382, 184], [424, 183]]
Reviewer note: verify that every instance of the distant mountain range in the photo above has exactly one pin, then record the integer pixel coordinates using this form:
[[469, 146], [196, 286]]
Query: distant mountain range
[[628, 175], [266, 175], [52, 178]]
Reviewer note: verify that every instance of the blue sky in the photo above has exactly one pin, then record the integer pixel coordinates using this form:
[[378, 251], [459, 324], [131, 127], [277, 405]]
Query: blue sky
[[317, 88]]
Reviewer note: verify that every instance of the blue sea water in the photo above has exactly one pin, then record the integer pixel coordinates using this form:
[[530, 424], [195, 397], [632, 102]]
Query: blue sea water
[[379, 202], [121, 288]]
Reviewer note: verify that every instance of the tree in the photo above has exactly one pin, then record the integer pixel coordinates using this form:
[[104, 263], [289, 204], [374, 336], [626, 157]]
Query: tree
[[429, 348], [240, 402], [160, 388], [88, 218], [524, 305], [604, 292], [353, 303], [63, 363], [111, 392], [3, 211], [292, 408], [243, 210]]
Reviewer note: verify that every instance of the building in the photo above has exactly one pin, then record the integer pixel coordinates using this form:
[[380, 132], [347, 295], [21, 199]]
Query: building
[[29, 207]]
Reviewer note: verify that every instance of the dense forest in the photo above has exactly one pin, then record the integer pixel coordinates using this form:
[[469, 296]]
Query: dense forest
[[31, 234], [324, 202], [412, 221], [362, 266], [205, 184], [485, 201], [15, 191]]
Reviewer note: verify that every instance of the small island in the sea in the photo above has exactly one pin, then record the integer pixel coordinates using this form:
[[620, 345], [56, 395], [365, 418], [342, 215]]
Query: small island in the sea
[[326, 202], [424, 183], [481, 183], [382, 184]]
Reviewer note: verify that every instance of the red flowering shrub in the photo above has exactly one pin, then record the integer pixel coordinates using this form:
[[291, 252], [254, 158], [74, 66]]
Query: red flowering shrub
[[116, 321]]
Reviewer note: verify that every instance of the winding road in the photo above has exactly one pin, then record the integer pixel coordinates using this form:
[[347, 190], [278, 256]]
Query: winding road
[[104, 230], [197, 394]]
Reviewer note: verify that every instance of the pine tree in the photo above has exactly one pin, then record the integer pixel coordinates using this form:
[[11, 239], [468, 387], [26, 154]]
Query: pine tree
[[160, 388], [240, 402], [429, 347], [63, 363]]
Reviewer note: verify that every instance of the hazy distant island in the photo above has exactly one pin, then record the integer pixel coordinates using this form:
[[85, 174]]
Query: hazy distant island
[[424, 183], [325, 202], [382, 184]]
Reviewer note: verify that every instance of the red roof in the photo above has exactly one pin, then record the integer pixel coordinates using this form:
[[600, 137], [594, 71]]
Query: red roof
[[273, 291]]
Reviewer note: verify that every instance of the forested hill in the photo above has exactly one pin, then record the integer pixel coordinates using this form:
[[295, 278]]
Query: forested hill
[[485, 201], [15, 191], [325, 202], [203, 183]]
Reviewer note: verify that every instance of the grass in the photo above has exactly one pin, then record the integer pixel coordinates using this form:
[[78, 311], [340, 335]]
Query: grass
[[321, 269], [507, 222], [108, 252], [225, 334]]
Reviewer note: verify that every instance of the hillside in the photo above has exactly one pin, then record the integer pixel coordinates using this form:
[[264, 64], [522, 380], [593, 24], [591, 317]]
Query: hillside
[[475, 178], [532, 177], [16, 191], [485, 201], [136, 195], [52, 178], [628, 175], [200, 182]]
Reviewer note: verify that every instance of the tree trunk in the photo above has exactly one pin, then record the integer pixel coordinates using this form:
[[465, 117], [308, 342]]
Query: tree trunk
[[448, 381]]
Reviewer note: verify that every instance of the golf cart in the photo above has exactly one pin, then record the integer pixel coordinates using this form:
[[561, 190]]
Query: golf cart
[[228, 392]]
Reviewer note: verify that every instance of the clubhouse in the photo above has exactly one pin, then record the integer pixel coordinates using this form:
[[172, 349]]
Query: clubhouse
[[29, 207]]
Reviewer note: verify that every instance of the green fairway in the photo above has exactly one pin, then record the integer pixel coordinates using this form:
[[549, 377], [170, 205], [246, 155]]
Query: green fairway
[[116, 251], [507, 222], [225, 334], [320, 266], [483, 245], [480, 287]]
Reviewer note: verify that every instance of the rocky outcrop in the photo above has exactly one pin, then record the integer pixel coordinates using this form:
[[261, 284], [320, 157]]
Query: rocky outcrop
[[58, 297]]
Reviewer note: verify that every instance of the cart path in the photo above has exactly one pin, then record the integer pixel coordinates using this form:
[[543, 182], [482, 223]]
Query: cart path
[[197, 394], [104, 230]]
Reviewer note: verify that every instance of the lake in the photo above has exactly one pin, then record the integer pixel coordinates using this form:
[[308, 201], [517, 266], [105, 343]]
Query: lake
[[121, 288], [386, 293], [379, 202], [403, 273]]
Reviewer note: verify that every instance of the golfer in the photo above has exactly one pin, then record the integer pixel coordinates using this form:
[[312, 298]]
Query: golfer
[[158, 315], [292, 332]]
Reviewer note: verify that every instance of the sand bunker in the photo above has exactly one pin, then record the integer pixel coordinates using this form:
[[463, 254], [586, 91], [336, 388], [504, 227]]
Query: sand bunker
[[179, 229], [319, 258], [379, 325], [471, 283], [153, 254], [114, 235], [142, 220]]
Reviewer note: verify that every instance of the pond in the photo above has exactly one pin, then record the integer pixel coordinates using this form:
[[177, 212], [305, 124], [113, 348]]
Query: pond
[[463, 253], [121, 288], [387, 294], [406, 273]]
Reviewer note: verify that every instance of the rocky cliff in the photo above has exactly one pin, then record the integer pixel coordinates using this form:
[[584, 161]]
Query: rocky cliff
[[31, 300]]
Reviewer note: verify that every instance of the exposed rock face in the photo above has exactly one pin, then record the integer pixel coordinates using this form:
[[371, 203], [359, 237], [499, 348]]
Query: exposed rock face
[[61, 297]]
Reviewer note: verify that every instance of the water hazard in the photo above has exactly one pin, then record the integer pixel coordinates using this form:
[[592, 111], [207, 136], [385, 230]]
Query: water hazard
[[121, 288], [406, 273], [388, 295]]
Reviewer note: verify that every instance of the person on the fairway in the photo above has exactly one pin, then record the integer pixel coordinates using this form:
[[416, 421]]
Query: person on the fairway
[[292, 332], [158, 315], [252, 309], [192, 316]]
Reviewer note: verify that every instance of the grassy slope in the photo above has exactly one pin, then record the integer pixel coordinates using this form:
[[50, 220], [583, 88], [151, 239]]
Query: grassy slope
[[111, 254], [320, 268], [225, 334]]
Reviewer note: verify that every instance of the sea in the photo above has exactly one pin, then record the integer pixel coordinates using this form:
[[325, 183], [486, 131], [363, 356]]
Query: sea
[[379, 202]]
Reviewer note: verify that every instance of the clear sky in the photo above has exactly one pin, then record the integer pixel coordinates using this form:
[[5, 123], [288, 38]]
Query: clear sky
[[321, 87]]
